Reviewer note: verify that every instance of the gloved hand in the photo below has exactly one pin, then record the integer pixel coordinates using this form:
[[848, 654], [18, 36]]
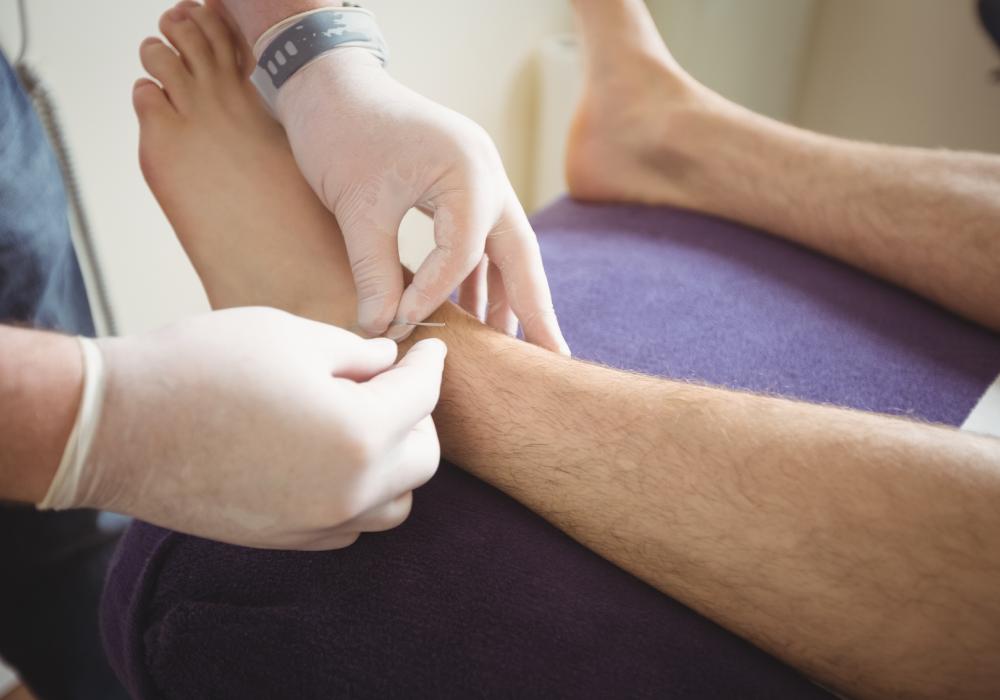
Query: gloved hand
[[255, 427], [373, 149]]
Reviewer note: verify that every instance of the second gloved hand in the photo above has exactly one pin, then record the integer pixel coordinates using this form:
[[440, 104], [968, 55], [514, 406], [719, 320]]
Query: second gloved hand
[[255, 427], [373, 149]]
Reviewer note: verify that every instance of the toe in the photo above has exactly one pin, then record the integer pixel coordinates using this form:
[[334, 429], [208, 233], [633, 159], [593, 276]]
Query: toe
[[187, 37], [150, 102], [163, 64], [220, 38]]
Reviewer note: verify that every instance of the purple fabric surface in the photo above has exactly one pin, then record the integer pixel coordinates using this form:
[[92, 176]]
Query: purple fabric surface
[[475, 595], [682, 295]]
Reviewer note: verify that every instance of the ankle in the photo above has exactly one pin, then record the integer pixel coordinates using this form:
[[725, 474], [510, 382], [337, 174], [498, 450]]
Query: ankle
[[676, 150], [643, 67], [712, 147]]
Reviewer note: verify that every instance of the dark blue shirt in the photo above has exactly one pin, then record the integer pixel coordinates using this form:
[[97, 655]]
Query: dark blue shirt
[[40, 280]]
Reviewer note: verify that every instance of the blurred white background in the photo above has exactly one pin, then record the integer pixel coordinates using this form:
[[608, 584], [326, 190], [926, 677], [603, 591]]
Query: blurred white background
[[905, 71], [900, 71]]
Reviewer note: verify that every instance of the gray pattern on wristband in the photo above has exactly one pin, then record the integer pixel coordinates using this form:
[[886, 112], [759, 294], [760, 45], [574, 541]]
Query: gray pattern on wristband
[[313, 36]]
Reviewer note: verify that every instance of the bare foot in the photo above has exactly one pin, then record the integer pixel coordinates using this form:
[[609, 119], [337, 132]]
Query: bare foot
[[222, 171], [636, 105]]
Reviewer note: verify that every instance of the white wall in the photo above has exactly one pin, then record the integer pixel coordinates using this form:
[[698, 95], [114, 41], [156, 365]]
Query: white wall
[[752, 51], [902, 71], [913, 72]]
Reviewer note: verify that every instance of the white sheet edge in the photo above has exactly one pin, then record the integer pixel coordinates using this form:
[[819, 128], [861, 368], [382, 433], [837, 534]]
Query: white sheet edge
[[985, 416]]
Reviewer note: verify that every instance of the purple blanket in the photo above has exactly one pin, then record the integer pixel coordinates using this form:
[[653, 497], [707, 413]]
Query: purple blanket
[[475, 595]]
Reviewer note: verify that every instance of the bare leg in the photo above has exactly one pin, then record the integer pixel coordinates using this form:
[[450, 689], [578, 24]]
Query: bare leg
[[861, 549], [647, 132]]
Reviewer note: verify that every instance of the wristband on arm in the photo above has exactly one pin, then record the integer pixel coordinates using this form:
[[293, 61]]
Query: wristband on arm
[[64, 490], [297, 41]]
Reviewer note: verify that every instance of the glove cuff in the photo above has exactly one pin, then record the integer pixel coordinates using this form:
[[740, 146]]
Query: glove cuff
[[64, 491], [297, 41]]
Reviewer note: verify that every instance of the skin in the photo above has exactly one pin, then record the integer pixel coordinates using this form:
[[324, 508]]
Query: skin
[[208, 122], [253, 18], [923, 219], [41, 381], [777, 519], [862, 549], [41, 374], [428, 158]]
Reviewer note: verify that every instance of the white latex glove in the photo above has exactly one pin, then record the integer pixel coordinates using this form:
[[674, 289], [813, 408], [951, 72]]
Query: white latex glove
[[256, 427], [372, 149]]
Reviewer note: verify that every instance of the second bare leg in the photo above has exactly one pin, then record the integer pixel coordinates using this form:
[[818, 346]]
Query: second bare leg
[[927, 220]]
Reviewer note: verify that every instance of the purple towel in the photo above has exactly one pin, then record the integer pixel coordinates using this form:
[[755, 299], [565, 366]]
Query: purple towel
[[477, 596]]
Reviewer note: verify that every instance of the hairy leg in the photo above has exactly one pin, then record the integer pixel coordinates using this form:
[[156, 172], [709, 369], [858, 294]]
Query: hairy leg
[[645, 131], [861, 549]]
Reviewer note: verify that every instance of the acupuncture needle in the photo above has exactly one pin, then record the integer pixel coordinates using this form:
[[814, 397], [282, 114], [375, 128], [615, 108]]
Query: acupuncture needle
[[423, 324]]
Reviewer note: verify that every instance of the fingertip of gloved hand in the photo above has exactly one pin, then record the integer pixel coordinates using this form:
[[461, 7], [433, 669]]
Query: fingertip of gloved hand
[[562, 347], [384, 345], [432, 345], [557, 342], [551, 339], [398, 332], [427, 353], [427, 359], [374, 316]]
